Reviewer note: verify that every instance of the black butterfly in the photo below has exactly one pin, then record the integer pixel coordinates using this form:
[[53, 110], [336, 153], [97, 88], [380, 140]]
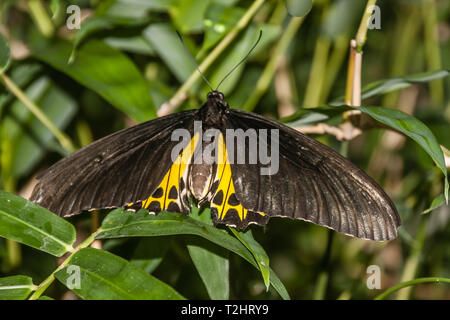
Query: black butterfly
[[134, 168]]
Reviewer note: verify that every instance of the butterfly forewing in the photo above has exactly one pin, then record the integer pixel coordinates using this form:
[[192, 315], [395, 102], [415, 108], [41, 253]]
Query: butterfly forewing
[[120, 169]]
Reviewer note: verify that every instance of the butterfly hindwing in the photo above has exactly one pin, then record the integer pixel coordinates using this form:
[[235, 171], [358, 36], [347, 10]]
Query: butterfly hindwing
[[120, 169], [313, 183], [225, 205], [171, 193]]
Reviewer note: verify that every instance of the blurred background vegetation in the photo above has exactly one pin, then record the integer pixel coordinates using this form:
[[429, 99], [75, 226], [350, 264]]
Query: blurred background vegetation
[[126, 65]]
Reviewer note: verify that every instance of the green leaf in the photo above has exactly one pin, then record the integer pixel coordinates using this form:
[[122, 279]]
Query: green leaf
[[393, 84], [219, 19], [213, 267], [5, 53], [55, 7], [16, 287], [210, 261], [21, 75], [105, 70], [30, 224], [257, 251], [342, 18], [120, 223], [149, 253], [101, 23], [136, 9], [135, 44], [105, 276], [413, 128], [320, 113], [188, 14], [30, 137], [164, 39], [298, 8], [385, 86], [436, 203]]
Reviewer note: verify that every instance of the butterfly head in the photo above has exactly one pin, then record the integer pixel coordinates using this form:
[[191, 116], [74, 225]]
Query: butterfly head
[[216, 97]]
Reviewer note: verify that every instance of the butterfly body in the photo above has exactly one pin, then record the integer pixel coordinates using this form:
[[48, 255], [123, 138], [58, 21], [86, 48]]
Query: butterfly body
[[149, 166]]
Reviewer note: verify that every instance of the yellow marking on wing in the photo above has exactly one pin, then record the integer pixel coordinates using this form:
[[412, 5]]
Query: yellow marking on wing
[[225, 183], [173, 176]]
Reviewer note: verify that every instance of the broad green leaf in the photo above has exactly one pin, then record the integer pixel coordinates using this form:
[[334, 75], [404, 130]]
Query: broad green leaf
[[149, 253], [385, 86], [210, 261], [213, 268], [30, 224], [436, 203], [5, 53], [55, 7], [100, 23], [16, 287], [342, 18], [323, 112], [29, 135], [137, 9], [105, 70], [298, 8], [120, 223], [257, 251], [188, 14], [45, 298], [219, 19], [413, 128], [164, 39], [134, 44], [393, 84], [105, 276], [21, 75]]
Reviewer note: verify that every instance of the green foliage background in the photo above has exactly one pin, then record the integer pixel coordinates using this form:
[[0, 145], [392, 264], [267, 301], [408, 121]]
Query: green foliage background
[[126, 65]]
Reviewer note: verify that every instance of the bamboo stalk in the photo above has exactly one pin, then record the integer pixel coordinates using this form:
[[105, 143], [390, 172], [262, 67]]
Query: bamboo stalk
[[63, 139], [266, 78], [182, 93]]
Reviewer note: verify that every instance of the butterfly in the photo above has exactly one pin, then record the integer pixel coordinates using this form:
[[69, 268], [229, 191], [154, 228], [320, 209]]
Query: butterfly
[[145, 167]]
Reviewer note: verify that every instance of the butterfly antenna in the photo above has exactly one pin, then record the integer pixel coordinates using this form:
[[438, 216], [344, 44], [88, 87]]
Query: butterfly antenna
[[243, 59], [194, 61]]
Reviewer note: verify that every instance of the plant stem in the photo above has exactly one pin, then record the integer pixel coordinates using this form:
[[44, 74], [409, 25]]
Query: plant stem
[[324, 275], [403, 49], [413, 260], [317, 74], [432, 50], [41, 18], [63, 139], [49, 280], [353, 87], [362, 30], [13, 249], [411, 283], [266, 78], [334, 64], [181, 94]]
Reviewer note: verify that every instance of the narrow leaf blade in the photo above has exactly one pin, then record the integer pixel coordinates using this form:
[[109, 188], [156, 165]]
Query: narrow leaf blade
[[15, 287], [105, 70], [120, 223], [105, 276], [32, 225]]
